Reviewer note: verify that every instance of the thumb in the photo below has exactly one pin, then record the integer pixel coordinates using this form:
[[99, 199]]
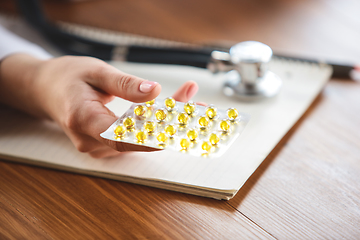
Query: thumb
[[126, 86]]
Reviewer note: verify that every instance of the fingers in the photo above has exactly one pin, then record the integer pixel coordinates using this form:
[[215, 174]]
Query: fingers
[[87, 144], [97, 123], [104, 149], [186, 91], [124, 147], [84, 143], [104, 152], [201, 104], [126, 86], [92, 120]]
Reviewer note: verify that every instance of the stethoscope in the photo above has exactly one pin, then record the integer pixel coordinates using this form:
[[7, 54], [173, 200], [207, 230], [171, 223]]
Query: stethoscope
[[246, 63]]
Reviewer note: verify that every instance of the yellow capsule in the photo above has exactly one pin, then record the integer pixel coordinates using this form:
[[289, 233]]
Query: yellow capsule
[[232, 113], [149, 126], [225, 125], [192, 134], [211, 112], [162, 137], [204, 121], [206, 146], [150, 103], [141, 136], [184, 143], [120, 131], [170, 129], [189, 107], [161, 114], [129, 122], [140, 110], [214, 138], [170, 103], [183, 118]]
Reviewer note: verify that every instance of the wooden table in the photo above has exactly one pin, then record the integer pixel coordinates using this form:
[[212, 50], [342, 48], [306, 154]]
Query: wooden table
[[307, 188]]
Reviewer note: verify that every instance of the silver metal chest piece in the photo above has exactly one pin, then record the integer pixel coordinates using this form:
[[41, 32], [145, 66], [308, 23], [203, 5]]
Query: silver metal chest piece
[[250, 78]]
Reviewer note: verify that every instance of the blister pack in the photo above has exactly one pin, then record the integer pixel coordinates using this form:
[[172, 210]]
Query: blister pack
[[186, 127]]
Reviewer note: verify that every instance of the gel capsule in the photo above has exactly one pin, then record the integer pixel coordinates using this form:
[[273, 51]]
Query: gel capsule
[[120, 131], [192, 134], [189, 107], [170, 129], [150, 103], [129, 122], [211, 112], [170, 103], [184, 143], [214, 139], [161, 114], [206, 146], [140, 110], [232, 113], [204, 121], [150, 126], [162, 137], [141, 136], [183, 118], [225, 125]]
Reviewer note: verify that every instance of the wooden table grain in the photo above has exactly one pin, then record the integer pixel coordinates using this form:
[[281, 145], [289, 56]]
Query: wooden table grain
[[307, 188]]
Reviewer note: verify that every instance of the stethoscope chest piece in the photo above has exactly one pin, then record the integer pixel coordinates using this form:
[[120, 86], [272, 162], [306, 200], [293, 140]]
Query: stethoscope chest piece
[[250, 78]]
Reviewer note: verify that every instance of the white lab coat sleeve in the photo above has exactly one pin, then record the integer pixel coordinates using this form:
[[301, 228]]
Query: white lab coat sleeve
[[11, 43]]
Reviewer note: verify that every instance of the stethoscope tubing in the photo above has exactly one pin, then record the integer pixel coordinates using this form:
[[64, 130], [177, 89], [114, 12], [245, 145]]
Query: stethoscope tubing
[[76, 45]]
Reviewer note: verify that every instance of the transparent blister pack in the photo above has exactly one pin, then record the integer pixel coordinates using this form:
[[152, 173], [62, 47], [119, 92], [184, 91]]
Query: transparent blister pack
[[186, 127]]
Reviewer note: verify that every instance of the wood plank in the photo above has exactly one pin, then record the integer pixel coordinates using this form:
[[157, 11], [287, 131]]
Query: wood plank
[[15, 225], [66, 205], [307, 187]]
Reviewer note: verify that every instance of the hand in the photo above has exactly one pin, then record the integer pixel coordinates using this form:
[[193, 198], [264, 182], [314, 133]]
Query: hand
[[73, 91]]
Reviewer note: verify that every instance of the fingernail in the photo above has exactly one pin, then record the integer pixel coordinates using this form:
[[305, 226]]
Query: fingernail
[[201, 104], [147, 86], [192, 91]]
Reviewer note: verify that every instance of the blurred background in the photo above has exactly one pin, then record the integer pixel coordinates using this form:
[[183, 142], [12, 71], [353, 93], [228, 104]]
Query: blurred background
[[320, 29]]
